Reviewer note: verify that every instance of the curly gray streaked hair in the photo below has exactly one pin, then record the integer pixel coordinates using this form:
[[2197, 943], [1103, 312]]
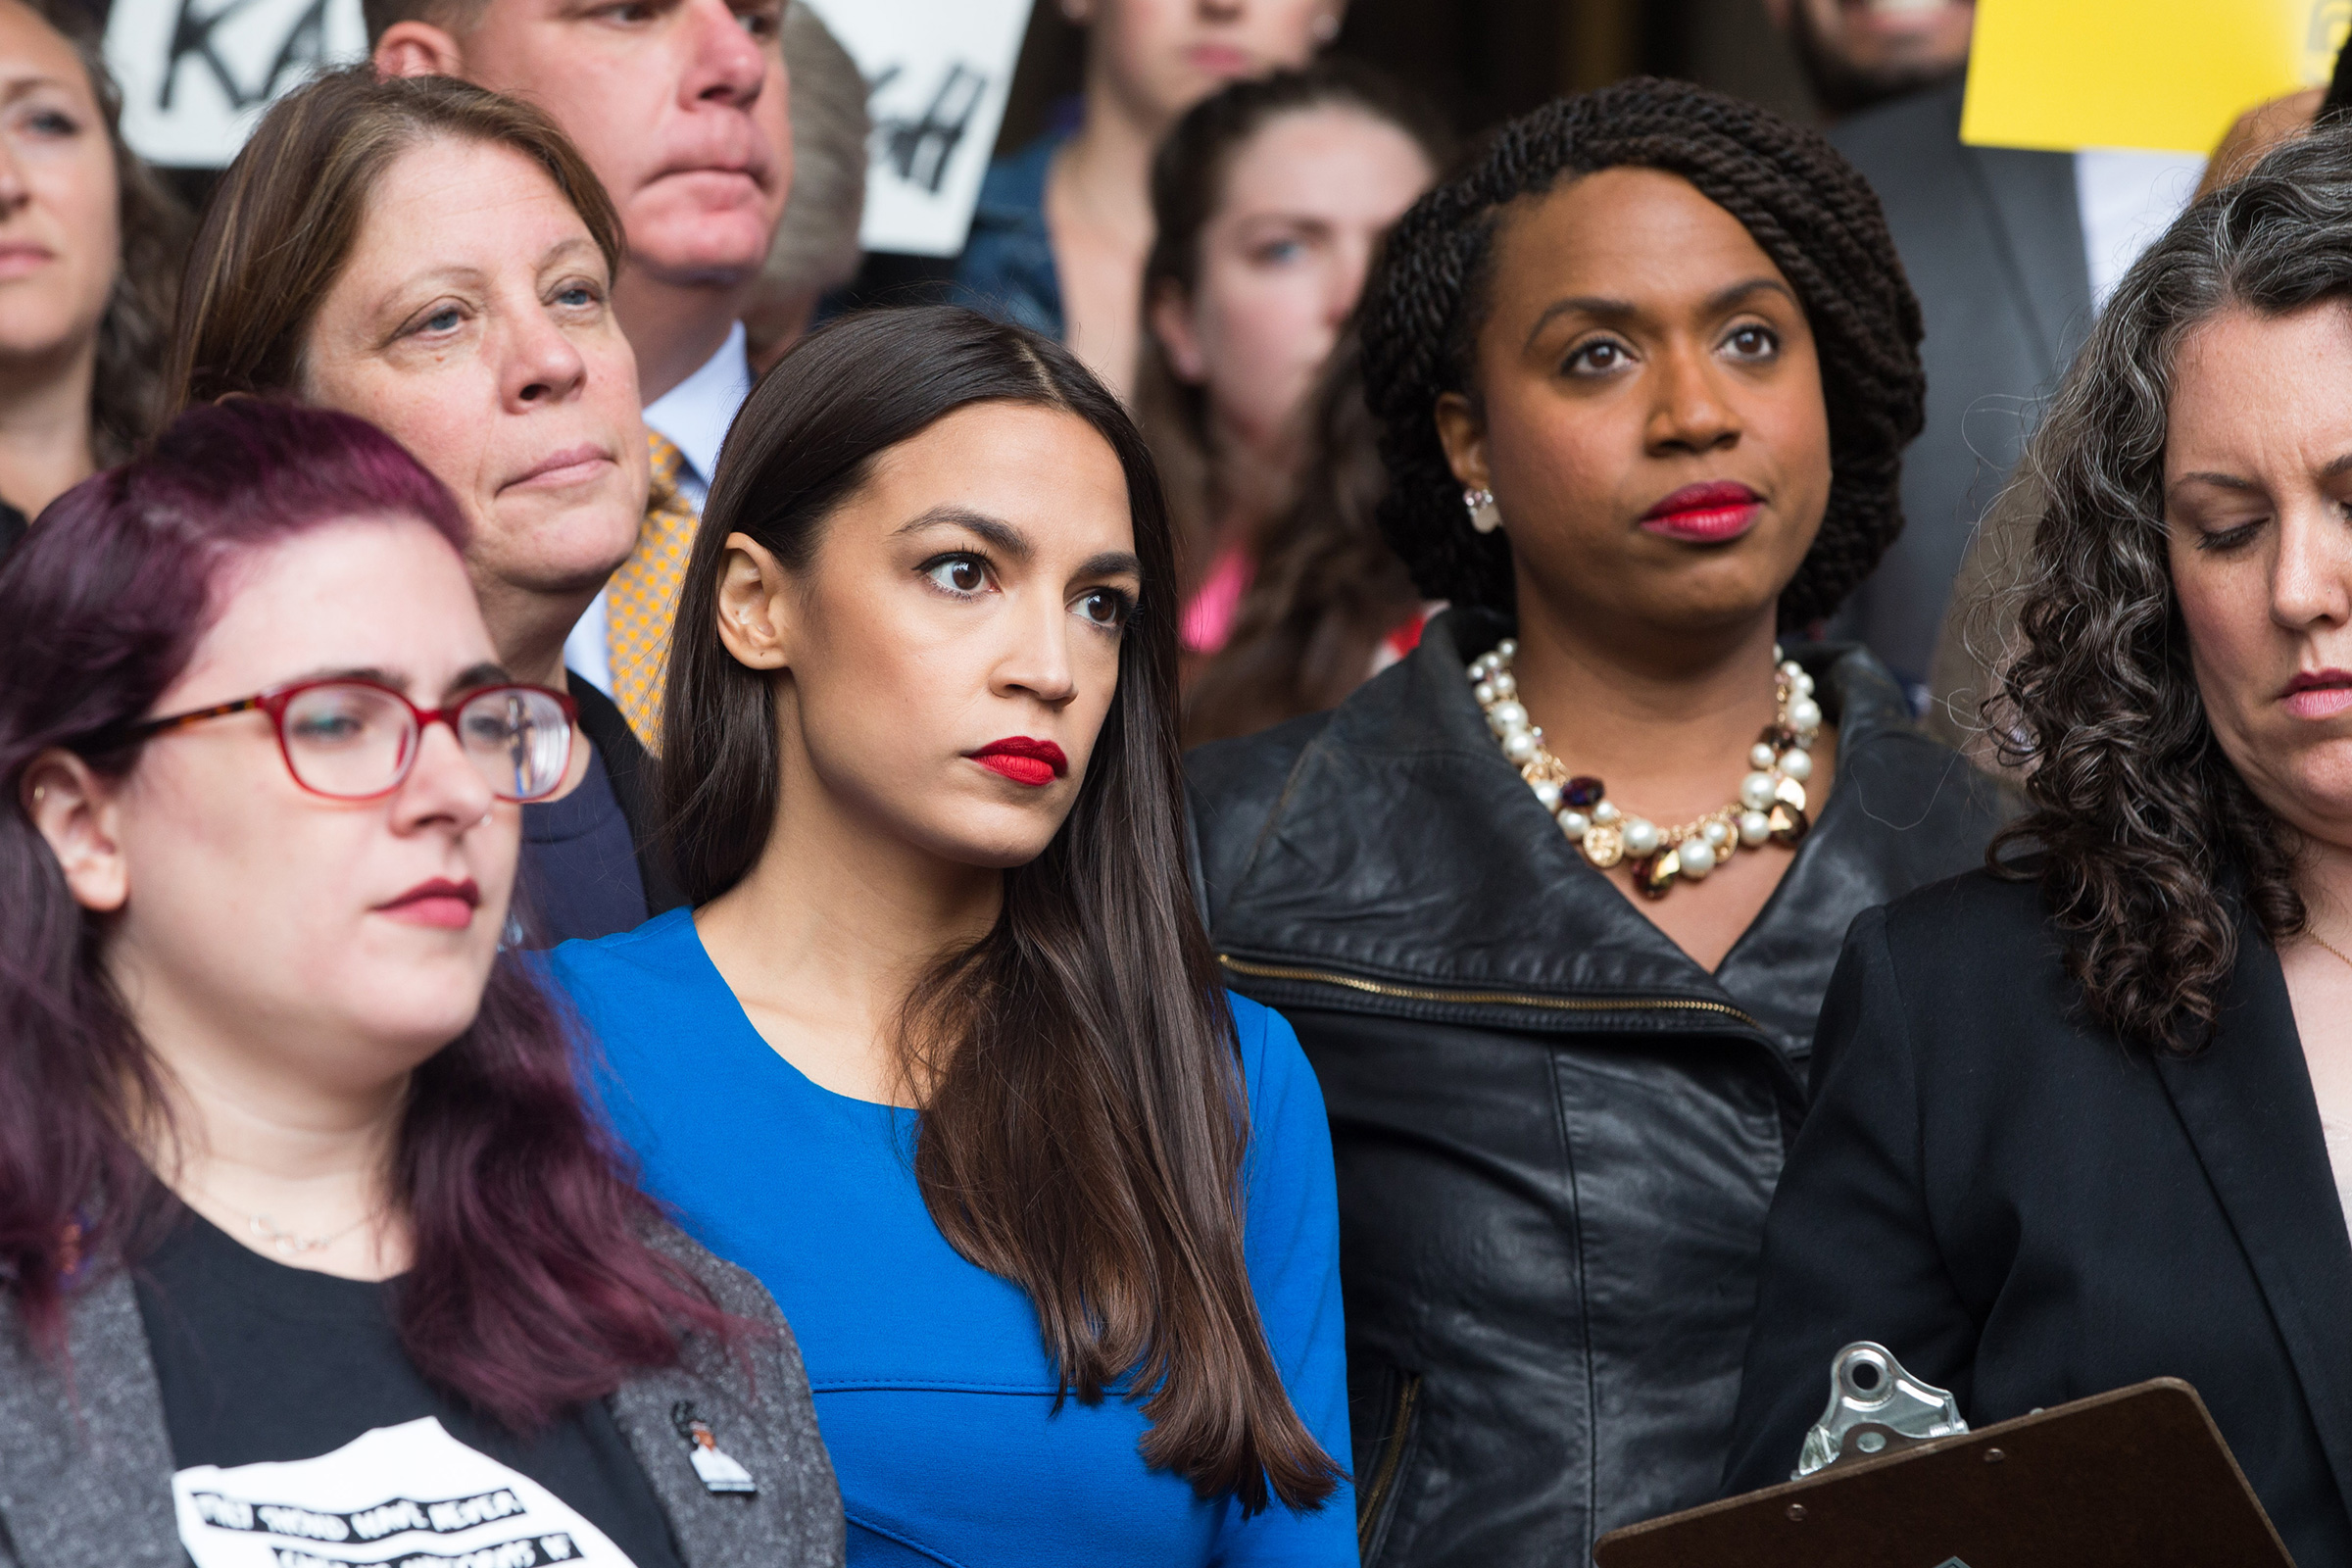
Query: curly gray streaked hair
[[2150, 844]]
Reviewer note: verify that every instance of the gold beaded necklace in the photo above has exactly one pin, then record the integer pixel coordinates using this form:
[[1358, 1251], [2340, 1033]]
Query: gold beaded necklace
[[1770, 807]]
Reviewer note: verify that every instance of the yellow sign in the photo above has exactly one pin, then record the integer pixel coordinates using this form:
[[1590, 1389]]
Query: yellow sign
[[2172, 74]]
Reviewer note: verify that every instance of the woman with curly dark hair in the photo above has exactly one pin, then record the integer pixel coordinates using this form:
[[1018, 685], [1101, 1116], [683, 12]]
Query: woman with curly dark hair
[[2083, 1118], [1552, 903]]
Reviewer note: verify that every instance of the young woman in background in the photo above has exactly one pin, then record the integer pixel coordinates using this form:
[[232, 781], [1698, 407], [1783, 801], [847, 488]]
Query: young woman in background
[[1330, 604], [1268, 201], [438, 260], [299, 1205], [1553, 904], [941, 1052], [1059, 238], [96, 245]]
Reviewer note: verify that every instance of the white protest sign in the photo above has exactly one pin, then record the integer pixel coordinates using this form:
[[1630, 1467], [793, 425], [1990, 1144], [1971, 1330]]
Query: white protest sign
[[196, 74], [936, 73]]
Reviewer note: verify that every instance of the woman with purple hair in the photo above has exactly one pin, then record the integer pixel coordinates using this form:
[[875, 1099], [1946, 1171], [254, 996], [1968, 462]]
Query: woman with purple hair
[[309, 1248]]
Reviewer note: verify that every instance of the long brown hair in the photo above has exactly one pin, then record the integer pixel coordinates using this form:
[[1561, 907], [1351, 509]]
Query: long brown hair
[[128, 395], [1085, 1125], [1188, 188], [1329, 589], [280, 226], [2150, 844]]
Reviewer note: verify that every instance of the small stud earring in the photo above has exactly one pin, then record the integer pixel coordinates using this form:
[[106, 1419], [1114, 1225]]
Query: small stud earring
[[1327, 28], [1484, 514]]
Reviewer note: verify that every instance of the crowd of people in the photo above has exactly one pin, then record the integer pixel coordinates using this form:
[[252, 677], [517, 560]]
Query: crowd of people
[[611, 949]]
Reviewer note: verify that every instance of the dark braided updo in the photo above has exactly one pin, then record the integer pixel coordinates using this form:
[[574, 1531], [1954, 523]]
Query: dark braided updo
[[1806, 208]]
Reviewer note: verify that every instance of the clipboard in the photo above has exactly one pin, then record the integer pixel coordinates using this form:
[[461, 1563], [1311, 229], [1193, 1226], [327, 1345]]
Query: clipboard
[[2136, 1478]]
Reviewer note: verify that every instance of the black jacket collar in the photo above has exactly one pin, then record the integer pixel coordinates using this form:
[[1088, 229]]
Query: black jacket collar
[[2247, 1105], [1403, 847]]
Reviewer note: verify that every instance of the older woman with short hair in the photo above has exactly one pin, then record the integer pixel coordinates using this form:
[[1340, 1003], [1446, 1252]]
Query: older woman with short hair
[[2085, 1117], [439, 261]]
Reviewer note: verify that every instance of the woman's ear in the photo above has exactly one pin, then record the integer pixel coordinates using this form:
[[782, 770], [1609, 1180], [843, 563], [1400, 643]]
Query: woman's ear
[[79, 814], [1463, 435], [755, 605], [1171, 319]]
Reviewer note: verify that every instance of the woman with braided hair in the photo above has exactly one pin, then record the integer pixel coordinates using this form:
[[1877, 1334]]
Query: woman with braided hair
[[1553, 902]]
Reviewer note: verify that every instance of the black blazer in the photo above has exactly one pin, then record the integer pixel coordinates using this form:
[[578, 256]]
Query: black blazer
[[630, 767], [2028, 1213]]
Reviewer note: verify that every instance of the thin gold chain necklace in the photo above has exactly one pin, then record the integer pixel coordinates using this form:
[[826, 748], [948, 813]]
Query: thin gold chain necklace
[[2330, 946]]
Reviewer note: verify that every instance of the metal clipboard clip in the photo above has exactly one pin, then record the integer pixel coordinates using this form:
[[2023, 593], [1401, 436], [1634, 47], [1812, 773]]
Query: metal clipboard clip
[[1875, 1407]]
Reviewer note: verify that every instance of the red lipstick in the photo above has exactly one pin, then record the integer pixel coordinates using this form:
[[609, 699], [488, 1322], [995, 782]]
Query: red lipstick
[[1710, 513], [440, 903], [1022, 760], [2319, 693]]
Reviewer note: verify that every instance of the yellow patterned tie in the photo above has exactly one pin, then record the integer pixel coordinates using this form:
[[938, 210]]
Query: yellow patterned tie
[[642, 599]]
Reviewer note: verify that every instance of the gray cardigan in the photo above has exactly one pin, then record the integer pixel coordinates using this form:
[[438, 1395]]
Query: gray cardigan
[[85, 1466]]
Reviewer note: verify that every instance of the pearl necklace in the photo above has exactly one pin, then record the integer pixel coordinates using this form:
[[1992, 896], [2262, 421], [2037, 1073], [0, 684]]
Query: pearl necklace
[[1769, 809]]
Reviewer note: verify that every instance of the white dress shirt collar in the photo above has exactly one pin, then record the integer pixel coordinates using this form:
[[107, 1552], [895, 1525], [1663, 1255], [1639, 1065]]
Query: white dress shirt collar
[[696, 413]]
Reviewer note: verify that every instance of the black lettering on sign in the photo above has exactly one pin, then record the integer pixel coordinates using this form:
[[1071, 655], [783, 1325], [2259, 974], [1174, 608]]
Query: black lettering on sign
[[920, 150], [194, 41]]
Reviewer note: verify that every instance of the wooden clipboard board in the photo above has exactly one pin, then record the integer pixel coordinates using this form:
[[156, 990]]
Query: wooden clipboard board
[[2137, 1478]]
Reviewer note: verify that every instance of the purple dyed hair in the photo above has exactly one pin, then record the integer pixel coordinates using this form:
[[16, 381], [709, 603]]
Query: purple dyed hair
[[101, 608]]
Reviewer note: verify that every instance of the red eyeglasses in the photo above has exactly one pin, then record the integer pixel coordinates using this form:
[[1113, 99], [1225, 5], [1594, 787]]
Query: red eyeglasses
[[355, 740]]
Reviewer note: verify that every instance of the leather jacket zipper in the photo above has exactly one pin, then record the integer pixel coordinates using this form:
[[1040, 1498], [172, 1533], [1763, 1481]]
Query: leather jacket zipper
[[1486, 999]]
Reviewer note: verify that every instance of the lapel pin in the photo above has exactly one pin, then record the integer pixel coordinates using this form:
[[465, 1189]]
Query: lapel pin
[[720, 1473]]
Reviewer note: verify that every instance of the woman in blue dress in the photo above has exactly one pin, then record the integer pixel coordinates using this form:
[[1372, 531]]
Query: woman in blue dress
[[940, 1051]]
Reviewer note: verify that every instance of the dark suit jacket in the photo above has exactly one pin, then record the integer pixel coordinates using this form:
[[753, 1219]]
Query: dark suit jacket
[[1993, 240], [630, 767], [2027, 1213]]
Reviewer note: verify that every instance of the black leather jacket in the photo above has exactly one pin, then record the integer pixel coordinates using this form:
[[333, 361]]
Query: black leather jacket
[[1557, 1135]]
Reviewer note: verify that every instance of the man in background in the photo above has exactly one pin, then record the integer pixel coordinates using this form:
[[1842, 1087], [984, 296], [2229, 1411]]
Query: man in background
[[2009, 251], [1857, 54], [680, 107]]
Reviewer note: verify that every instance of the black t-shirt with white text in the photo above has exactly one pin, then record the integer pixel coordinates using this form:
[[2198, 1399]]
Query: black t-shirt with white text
[[259, 1362]]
